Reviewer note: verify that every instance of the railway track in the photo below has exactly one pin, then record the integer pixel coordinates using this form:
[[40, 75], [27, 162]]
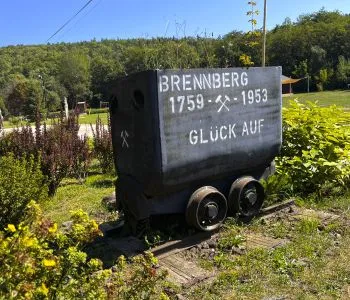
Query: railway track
[[113, 244], [179, 257], [173, 247], [182, 270]]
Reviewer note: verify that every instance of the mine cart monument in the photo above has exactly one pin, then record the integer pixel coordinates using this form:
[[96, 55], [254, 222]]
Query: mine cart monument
[[195, 142]]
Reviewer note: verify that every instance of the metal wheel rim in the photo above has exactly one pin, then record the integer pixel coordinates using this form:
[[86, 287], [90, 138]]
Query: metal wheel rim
[[197, 207], [238, 202]]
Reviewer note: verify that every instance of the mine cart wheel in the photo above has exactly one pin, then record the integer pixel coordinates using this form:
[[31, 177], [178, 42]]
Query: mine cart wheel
[[246, 197], [206, 209]]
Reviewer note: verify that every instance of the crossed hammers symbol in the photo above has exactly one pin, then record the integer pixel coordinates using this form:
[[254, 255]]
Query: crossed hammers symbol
[[223, 103], [124, 134]]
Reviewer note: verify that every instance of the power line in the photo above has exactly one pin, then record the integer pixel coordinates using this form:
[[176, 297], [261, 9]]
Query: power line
[[78, 20], [65, 24], [264, 36]]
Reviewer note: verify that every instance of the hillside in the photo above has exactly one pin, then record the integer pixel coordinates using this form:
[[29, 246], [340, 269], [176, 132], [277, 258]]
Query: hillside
[[316, 45]]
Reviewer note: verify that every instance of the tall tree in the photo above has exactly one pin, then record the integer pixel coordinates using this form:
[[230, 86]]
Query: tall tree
[[74, 74], [24, 97], [343, 71]]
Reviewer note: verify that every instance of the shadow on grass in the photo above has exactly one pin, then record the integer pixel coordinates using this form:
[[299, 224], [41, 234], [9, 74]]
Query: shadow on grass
[[114, 243], [97, 182], [64, 184], [102, 183], [70, 181], [93, 172], [117, 239]]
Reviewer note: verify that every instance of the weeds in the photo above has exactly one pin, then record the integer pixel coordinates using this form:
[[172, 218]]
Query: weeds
[[314, 262]]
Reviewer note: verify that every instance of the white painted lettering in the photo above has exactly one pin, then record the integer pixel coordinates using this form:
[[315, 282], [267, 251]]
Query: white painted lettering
[[191, 105], [175, 80], [244, 79], [222, 136], [252, 127], [197, 83], [231, 131], [216, 81], [186, 82], [261, 125], [124, 135], [225, 80], [234, 79], [203, 81], [213, 135], [245, 130], [212, 138], [163, 83], [253, 130], [193, 137], [206, 81], [200, 101], [203, 141]]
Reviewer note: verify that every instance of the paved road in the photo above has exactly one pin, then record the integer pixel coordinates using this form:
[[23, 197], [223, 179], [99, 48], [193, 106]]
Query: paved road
[[84, 129]]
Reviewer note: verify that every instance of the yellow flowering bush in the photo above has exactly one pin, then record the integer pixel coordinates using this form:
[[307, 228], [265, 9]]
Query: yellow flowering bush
[[37, 261]]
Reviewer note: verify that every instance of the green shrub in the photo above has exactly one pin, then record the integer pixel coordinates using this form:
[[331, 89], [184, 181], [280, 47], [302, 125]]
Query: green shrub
[[277, 188], [20, 182], [316, 147], [16, 121], [38, 261]]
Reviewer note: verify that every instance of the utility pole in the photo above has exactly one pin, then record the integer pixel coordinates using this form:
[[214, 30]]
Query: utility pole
[[44, 91], [264, 37]]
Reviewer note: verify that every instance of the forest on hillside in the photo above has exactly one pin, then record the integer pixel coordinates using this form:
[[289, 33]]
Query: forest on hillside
[[317, 46]]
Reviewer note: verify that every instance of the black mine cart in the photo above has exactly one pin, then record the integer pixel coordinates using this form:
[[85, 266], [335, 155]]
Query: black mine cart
[[195, 141]]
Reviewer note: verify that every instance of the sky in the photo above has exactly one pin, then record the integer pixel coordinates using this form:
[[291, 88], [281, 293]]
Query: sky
[[35, 21]]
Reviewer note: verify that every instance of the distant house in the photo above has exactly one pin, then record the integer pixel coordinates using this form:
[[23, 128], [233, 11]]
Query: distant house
[[80, 108], [287, 84]]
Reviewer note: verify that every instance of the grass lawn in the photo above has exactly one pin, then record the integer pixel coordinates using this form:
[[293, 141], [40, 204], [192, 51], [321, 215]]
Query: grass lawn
[[327, 98], [91, 119], [83, 119], [72, 195], [7, 124]]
